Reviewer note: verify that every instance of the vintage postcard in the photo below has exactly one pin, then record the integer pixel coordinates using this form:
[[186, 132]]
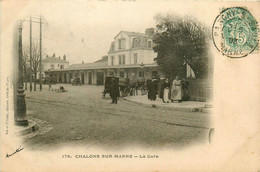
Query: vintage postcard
[[130, 85]]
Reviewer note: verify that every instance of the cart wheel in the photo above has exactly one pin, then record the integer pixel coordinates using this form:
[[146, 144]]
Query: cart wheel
[[123, 94], [143, 91], [126, 92]]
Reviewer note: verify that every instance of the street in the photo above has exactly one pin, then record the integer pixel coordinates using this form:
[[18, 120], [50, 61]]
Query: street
[[81, 117]]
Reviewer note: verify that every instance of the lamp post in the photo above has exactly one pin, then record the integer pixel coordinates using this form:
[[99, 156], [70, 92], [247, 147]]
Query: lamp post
[[20, 114]]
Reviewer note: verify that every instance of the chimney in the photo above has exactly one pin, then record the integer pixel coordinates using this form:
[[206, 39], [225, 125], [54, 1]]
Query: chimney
[[53, 54], [149, 31], [64, 57], [82, 62], [59, 57]]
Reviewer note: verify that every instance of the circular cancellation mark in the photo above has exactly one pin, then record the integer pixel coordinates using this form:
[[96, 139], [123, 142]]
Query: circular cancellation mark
[[235, 32]]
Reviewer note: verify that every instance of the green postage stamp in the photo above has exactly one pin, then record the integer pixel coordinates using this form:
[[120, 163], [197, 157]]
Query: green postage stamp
[[235, 32]]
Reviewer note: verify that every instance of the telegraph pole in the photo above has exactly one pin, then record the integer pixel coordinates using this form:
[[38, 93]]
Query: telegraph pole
[[40, 53], [40, 61], [30, 54]]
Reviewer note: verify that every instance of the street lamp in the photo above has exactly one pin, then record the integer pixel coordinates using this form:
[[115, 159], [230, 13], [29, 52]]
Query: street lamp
[[20, 114]]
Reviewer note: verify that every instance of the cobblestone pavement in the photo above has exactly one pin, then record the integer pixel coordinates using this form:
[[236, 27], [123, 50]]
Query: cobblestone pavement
[[80, 116]]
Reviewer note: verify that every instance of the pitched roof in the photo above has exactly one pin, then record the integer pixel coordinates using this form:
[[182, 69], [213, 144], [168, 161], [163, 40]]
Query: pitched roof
[[133, 34], [87, 65], [54, 60], [102, 65], [104, 59]]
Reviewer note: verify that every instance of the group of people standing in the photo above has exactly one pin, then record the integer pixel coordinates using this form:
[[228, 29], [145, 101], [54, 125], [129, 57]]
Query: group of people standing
[[175, 91]]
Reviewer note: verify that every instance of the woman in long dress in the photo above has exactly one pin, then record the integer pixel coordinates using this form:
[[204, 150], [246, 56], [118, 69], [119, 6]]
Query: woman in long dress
[[166, 88], [176, 90]]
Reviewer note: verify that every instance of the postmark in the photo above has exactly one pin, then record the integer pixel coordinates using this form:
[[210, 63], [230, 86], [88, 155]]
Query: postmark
[[235, 32]]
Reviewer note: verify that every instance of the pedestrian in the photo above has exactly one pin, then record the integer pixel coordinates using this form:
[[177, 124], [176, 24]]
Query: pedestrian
[[152, 89], [49, 83], [49, 86], [136, 87], [114, 93], [166, 90], [185, 84], [176, 91], [159, 86], [162, 80], [148, 84], [132, 88]]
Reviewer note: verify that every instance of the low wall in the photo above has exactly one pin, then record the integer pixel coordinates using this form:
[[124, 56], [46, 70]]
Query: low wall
[[199, 90]]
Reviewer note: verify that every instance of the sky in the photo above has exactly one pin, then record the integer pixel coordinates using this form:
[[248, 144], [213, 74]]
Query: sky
[[84, 30]]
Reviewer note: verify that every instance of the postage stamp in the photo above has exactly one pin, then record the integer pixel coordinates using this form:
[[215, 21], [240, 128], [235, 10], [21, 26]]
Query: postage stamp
[[235, 32]]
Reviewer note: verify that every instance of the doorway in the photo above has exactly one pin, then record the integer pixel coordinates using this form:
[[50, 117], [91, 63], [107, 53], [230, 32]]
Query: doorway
[[70, 77], [89, 78], [65, 78], [100, 78], [82, 79]]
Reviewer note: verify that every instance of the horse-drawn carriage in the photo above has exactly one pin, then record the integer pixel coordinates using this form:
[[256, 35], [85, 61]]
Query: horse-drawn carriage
[[76, 81], [125, 86]]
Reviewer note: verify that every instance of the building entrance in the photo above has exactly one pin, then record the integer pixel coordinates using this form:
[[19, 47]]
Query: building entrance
[[82, 78], [89, 78], [100, 78]]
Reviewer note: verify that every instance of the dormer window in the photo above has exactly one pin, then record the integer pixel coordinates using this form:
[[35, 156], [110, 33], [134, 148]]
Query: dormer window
[[136, 42], [121, 44]]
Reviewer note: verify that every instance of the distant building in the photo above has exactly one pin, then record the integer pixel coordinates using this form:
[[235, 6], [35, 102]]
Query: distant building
[[130, 56], [54, 63]]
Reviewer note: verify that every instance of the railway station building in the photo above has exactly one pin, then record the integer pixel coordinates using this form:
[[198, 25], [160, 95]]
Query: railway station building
[[130, 56]]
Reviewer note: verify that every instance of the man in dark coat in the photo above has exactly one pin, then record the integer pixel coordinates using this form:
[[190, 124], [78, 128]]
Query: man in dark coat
[[148, 83], [114, 93], [185, 86], [152, 89], [159, 87]]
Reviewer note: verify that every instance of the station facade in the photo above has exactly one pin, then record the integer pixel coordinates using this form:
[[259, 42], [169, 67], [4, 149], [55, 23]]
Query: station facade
[[130, 56]]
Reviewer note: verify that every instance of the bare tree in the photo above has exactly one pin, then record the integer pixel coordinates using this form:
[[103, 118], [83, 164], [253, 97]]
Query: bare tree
[[35, 60], [26, 66]]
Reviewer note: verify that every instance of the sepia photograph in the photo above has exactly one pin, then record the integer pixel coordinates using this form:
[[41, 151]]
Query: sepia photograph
[[131, 80], [116, 85]]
